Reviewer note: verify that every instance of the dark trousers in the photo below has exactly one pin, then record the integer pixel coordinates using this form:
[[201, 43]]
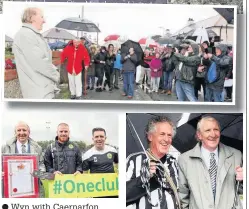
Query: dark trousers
[[99, 74], [90, 80], [198, 83], [108, 72], [229, 91], [115, 74], [83, 79]]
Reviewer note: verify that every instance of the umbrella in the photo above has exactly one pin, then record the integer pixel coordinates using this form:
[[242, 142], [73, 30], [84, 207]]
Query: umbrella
[[201, 34], [137, 48], [57, 45], [78, 24], [164, 41], [227, 13], [231, 130], [147, 42], [112, 38]]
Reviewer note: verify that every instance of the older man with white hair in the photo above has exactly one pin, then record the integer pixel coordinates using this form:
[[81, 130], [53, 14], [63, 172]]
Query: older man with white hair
[[208, 172], [37, 75], [21, 143]]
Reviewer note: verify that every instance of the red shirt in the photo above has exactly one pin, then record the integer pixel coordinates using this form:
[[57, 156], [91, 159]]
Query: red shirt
[[75, 57]]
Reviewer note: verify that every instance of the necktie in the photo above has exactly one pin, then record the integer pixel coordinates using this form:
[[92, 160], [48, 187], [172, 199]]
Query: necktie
[[23, 149], [213, 172]]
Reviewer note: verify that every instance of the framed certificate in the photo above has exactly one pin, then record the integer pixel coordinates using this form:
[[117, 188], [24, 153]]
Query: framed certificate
[[18, 181]]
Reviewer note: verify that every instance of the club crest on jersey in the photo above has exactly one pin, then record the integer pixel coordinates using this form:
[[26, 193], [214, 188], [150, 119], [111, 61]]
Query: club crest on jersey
[[109, 156], [70, 146], [95, 159]]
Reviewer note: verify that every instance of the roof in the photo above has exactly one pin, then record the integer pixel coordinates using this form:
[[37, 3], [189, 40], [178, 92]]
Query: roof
[[8, 39], [56, 33], [206, 23]]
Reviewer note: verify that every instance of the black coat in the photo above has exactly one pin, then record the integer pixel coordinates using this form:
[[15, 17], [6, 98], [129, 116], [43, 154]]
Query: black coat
[[65, 158]]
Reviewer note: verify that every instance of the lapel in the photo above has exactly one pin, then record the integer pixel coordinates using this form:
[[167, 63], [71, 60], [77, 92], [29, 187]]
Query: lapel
[[225, 162], [31, 147]]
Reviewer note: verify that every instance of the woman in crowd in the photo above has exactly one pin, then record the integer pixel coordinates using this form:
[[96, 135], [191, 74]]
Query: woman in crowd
[[110, 59], [91, 69], [156, 72], [100, 61]]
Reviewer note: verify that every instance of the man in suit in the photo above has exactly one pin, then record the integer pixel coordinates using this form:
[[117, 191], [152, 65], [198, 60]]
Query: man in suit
[[208, 172]]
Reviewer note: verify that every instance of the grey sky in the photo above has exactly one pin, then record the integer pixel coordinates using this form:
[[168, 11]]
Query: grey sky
[[81, 124], [134, 21]]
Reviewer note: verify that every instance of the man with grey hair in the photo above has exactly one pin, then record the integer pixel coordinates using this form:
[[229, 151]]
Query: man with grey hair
[[36, 73], [153, 182], [208, 172]]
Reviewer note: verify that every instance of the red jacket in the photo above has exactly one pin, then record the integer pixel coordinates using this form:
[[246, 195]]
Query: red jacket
[[75, 57]]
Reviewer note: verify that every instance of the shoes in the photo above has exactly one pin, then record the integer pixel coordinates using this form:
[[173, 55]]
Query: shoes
[[169, 93], [163, 91], [92, 88], [115, 87], [97, 89], [104, 89], [129, 97], [124, 94], [110, 89], [88, 88], [73, 96], [78, 98], [137, 84]]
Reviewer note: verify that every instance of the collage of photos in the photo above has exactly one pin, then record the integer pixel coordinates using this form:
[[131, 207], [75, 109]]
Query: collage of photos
[[78, 56], [137, 104]]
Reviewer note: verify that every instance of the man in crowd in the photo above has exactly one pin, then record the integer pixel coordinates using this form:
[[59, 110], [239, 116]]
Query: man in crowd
[[101, 158], [208, 172], [186, 69], [224, 66], [153, 190], [62, 156], [33, 57]]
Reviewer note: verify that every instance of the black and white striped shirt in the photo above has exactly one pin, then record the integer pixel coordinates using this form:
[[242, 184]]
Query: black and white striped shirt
[[136, 196]]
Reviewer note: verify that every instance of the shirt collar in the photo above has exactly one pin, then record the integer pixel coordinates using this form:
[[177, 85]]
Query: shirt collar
[[20, 144], [207, 152], [27, 25]]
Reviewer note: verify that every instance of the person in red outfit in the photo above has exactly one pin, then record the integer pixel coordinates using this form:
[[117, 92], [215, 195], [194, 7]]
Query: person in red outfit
[[75, 53]]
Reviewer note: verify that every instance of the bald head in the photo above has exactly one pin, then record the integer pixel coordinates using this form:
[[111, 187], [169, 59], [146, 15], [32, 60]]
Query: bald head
[[33, 16], [22, 132]]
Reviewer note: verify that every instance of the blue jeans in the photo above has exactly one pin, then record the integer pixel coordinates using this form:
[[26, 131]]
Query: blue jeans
[[128, 83], [167, 80], [213, 95], [185, 91]]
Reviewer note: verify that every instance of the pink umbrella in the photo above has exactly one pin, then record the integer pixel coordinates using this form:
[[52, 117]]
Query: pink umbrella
[[112, 38], [148, 42]]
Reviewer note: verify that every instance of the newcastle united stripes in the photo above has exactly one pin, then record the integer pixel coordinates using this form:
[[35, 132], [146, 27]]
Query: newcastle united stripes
[[136, 196]]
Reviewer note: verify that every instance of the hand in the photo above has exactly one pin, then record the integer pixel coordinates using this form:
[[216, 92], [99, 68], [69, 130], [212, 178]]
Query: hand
[[239, 173], [176, 51], [186, 54], [76, 173], [200, 69], [209, 55], [226, 78], [152, 169], [58, 172], [86, 67]]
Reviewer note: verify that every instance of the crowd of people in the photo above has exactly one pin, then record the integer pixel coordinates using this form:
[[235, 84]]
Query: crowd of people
[[203, 177], [189, 66]]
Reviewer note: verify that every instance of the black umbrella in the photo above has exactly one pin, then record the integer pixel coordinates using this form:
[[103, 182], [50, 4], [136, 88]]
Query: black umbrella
[[227, 13], [231, 130], [137, 48], [78, 24]]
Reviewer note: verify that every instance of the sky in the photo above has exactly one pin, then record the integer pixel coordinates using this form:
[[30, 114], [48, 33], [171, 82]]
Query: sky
[[133, 21], [81, 124]]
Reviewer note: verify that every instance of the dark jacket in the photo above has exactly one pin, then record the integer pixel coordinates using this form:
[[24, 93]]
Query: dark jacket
[[224, 67], [65, 158], [91, 69], [189, 67], [100, 57], [110, 59], [129, 64], [168, 64]]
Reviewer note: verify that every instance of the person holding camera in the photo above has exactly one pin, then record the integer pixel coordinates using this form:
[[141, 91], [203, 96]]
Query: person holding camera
[[186, 68]]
